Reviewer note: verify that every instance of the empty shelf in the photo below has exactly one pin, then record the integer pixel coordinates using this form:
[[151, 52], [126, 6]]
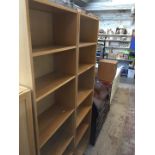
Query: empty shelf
[[51, 120], [80, 132], [83, 145], [49, 83], [82, 95], [70, 149], [84, 44], [84, 67], [56, 146], [81, 114], [49, 50]]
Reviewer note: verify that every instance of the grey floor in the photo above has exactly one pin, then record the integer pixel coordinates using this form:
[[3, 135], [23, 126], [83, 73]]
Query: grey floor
[[117, 134]]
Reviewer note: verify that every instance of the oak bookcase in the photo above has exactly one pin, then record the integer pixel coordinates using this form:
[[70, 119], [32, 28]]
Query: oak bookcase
[[57, 61]]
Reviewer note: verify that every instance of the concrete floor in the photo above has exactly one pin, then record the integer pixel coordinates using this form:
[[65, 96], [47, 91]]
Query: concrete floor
[[117, 134]]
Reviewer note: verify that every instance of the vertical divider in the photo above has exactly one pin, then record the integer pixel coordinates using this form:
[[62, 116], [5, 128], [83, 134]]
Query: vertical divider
[[77, 151], [77, 67], [32, 86]]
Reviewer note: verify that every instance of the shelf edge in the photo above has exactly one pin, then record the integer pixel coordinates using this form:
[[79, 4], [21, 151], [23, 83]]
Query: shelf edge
[[52, 51]]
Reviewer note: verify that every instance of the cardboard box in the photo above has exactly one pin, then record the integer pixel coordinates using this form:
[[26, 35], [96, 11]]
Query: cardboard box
[[107, 70]]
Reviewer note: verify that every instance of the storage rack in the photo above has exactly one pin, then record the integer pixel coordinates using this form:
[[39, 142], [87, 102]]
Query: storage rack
[[115, 40], [59, 46], [114, 35]]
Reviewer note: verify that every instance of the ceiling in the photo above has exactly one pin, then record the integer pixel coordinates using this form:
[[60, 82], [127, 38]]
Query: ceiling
[[109, 9], [105, 5]]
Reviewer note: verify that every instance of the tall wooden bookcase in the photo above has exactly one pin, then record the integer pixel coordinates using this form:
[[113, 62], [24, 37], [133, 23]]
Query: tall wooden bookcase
[[57, 61]]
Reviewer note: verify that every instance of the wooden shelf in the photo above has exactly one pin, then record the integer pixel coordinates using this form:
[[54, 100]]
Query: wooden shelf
[[49, 83], [84, 67], [70, 149], [50, 121], [86, 80], [57, 146], [49, 50], [80, 132], [83, 94], [85, 44], [81, 114], [52, 25], [86, 58], [82, 145]]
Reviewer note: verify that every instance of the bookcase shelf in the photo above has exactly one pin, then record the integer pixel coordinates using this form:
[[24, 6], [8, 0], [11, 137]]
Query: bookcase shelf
[[83, 109], [60, 141], [81, 114], [49, 50], [80, 132], [58, 58], [49, 83], [84, 67], [88, 33], [69, 149], [86, 80], [50, 27], [82, 145], [47, 128], [82, 94], [53, 71], [85, 44], [54, 110], [86, 58]]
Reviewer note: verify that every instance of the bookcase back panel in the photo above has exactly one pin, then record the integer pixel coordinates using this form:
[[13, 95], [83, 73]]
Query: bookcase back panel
[[43, 65], [86, 80], [45, 103], [63, 63], [63, 97], [52, 29], [59, 142], [88, 29], [87, 55], [41, 24], [64, 31]]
